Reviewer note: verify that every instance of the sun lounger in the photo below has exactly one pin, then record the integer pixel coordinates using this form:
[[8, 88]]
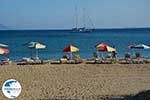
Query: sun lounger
[[106, 62], [71, 62], [94, 61], [147, 60], [55, 62], [30, 61], [63, 60], [90, 62], [5, 61], [125, 61], [138, 61]]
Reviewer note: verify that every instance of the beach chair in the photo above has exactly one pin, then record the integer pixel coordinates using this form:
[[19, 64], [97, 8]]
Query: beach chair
[[138, 59], [106, 61], [126, 60], [25, 61], [77, 59], [32, 61], [63, 60], [147, 60], [55, 62], [5, 61], [94, 60], [90, 61]]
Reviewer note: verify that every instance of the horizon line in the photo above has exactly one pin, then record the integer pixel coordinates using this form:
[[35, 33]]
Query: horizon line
[[59, 29]]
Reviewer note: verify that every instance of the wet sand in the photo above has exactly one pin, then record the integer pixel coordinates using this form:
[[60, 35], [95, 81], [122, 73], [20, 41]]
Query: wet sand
[[80, 81]]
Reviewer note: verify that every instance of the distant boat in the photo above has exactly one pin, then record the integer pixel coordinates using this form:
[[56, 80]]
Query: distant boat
[[87, 28], [82, 30]]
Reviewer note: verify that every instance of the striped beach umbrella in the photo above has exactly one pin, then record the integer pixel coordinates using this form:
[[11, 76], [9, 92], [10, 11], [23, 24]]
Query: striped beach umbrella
[[35, 45], [103, 47], [4, 51], [70, 48]]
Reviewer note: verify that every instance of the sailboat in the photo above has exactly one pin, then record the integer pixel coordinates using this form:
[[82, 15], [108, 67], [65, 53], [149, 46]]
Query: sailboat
[[85, 28]]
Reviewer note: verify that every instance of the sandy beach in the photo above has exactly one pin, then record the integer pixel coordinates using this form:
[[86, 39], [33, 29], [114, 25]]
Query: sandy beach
[[78, 82]]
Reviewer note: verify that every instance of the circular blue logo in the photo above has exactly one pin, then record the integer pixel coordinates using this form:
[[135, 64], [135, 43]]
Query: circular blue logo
[[11, 88]]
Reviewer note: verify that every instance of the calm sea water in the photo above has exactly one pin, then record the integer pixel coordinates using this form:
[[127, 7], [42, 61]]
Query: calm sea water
[[57, 40]]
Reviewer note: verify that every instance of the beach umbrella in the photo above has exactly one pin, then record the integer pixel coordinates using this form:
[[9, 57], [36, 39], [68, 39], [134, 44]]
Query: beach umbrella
[[102, 47], [36, 46], [70, 48], [3, 45], [139, 46], [105, 48], [4, 51]]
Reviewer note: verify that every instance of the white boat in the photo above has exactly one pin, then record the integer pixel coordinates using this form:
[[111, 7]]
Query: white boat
[[87, 28]]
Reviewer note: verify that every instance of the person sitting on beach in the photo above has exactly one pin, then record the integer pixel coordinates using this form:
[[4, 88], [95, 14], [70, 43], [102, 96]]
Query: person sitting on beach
[[114, 54], [137, 55], [127, 56], [77, 56], [95, 55], [66, 56], [5, 61]]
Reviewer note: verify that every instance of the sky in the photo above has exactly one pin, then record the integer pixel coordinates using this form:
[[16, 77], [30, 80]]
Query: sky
[[60, 14]]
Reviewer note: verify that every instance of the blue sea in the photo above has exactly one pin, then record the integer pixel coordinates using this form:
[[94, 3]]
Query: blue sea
[[56, 40]]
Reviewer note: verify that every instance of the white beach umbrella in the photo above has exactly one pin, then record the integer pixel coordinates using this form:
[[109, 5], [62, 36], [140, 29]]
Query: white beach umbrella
[[36, 46], [140, 46], [3, 45]]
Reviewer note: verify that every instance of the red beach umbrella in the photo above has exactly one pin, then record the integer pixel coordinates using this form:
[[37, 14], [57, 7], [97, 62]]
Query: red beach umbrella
[[70, 48], [104, 47]]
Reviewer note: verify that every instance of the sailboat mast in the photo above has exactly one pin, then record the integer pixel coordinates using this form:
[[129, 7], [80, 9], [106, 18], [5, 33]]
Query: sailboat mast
[[84, 24], [76, 16]]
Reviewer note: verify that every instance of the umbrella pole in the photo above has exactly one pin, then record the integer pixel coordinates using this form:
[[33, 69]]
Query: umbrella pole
[[102, 54], [97, 53], [36, 53], [71, 55], [31, 53]]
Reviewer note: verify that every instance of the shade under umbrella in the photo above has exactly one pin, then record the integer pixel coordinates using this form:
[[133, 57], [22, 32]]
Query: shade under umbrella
[[4, 51], [71, 48]]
